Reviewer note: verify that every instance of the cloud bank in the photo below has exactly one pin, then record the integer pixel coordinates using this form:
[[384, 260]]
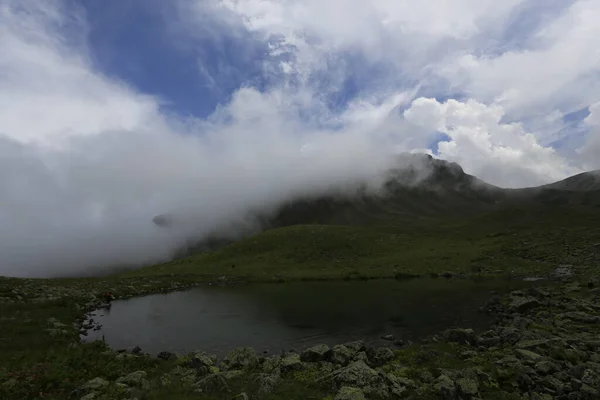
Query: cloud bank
[[87, 160]]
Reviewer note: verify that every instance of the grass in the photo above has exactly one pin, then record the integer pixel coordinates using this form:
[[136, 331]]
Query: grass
[[506, 242]]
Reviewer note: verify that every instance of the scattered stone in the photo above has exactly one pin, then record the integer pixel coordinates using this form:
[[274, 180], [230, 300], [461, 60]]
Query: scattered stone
[[241, 358], [445, 387], [350, 393], [232, 374], [562, 272], [527, 355], [291, 362], [467, 388], [94, 384], [267, 383], [341, 355], [356, 346], [380, 356], [357, 374], [523, 304], [316, 353], [136, 379]]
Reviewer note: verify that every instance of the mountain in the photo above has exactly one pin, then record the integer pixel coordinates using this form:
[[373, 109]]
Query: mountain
[[587, 181], [418, 190]]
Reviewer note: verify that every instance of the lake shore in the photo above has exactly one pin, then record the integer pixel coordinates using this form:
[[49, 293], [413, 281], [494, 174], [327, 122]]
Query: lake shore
[[537, 347]]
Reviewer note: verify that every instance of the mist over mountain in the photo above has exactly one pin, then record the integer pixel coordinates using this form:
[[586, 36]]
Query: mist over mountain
[[416, 189]]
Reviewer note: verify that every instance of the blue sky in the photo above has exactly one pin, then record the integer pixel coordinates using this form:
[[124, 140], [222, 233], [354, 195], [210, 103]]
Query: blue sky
[[134, 41], [114, 111]]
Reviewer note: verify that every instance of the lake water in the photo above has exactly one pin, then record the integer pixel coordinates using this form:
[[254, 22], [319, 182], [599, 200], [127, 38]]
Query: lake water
[[276, 317]]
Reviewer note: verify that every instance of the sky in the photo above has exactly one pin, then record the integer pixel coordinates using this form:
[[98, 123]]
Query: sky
[[112, 112]]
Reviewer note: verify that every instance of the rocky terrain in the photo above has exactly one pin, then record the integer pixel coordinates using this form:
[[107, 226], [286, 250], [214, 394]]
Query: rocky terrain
[[544, 345]]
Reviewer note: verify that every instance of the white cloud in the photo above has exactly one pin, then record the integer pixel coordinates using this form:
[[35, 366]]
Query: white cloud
[[537, 60], [86, 161], [499, 153], [590, 153]]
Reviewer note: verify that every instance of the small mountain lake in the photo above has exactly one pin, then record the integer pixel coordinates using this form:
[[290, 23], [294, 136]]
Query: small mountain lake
[[275, 317]]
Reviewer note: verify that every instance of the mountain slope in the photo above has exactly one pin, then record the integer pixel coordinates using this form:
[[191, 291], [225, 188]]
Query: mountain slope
[[418, 192]]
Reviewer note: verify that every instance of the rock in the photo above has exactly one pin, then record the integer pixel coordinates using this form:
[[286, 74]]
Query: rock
[[445, 387], [94, 384], [579, 316], [136, 379], [291, 362], [341, 355], [349, 393], [136, 350], [211, 384], [380, 356], [202, 361], [510, 335], [165, 355], [267, 383], [242, 358], [271, 364], [523, 304], [546, 367], [562, 272], [357, 374], [389, 337], [467, 388], [426, 377], [356, 346], [90, 396], [316, 353], [361, 356], [235, 373], [527, 355], [459, 335]]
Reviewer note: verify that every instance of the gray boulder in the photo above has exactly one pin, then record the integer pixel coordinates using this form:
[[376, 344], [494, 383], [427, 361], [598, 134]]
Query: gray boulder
[[380, 356], [267, 383], [445, 387], [135, 379], [291, 362], [341, 355], [467, 388], [242, 358], [357, 374], [523, 304], [94, 384], [320, 352]]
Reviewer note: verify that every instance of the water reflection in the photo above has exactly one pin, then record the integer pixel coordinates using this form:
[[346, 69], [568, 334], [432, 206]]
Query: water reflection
[[275, 317]]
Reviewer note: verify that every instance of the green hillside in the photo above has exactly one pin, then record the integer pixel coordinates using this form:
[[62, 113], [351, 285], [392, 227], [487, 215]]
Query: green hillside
[[529, 239]]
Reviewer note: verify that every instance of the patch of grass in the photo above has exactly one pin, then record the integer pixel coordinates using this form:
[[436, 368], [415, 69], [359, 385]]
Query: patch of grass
[[504, 242]]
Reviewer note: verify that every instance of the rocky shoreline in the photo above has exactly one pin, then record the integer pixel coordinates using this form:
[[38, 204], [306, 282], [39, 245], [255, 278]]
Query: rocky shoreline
[[545, 344]]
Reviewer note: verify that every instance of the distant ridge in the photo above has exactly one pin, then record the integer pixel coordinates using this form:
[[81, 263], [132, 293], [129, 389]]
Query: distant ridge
[[417, 189]]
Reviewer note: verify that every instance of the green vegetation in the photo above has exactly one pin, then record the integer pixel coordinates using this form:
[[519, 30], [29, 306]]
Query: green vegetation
[[510, 241]]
